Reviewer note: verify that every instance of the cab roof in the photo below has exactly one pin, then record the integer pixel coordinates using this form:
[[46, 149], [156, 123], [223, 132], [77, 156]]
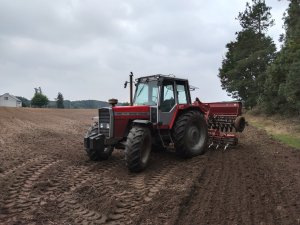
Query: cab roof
[[159, 77]]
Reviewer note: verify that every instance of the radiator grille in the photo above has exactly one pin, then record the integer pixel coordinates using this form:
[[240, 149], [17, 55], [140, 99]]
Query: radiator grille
[[104, 121]]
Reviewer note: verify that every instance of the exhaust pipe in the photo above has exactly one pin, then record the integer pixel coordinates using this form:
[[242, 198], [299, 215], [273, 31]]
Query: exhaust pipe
[[131, 86]]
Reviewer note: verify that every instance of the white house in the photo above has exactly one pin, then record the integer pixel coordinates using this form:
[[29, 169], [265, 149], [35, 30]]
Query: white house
[[10, 101]]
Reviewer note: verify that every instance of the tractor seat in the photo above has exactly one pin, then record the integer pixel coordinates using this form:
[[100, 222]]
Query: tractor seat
[[167, 105]]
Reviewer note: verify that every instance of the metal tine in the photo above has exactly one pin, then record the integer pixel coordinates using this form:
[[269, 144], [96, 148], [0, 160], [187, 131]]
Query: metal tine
[[217, 146], [226, 146], [211, 145]]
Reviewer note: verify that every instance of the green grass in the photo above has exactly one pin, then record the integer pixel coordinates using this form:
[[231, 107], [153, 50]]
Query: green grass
[[288, 139], [257, 125]]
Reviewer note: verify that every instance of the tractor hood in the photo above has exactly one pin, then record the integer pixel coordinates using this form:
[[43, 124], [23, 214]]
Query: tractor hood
[[124, 115], [134, 112]]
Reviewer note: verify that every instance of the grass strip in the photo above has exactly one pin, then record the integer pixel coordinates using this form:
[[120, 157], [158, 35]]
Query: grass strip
[[287, 139]]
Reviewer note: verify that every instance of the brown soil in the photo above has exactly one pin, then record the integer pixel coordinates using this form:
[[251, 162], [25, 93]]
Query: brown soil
[[46, 178]]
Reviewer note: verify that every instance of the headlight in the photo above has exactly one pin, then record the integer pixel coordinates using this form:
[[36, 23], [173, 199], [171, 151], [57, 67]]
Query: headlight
[[104, 125]]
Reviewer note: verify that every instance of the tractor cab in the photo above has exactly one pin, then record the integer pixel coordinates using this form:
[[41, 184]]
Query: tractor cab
[[162, 93]]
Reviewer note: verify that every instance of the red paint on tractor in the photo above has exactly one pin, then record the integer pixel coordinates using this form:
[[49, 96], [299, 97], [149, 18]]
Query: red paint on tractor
[[124, 115]]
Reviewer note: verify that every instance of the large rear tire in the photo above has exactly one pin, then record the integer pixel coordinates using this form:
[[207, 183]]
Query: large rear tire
[[190, 134], [138, 148], [96, 154]]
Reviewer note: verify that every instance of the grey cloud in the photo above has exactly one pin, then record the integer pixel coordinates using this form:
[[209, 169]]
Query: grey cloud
[[86, 49]]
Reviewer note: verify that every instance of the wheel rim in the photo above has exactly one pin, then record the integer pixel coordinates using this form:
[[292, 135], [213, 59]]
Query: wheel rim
[[193, 136], [145, 151]]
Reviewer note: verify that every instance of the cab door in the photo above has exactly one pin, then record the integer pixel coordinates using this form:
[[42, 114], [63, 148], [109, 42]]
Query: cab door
[[167, 103], [172, 93], [183, 94]]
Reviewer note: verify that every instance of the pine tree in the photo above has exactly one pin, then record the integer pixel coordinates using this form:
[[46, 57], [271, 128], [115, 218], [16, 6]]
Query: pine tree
[[282, 88], [292, 45], [243, 70], [60, 101], [256, 17]]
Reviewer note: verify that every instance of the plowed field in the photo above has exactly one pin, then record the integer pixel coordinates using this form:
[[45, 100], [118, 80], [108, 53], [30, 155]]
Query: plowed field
[[46, 178]]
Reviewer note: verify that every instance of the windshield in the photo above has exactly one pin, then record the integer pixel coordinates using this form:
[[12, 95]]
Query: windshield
[[146, 93]]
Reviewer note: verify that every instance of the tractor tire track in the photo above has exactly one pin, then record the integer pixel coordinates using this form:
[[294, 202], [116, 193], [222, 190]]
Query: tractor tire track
[[18, 199], [18, 167], [205, 186], [131, 203], [99, 178], [156, 183], [60, 182]]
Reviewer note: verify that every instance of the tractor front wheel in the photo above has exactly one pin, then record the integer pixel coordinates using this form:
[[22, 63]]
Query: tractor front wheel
[[95, 155], [138, 148], [190, 134]]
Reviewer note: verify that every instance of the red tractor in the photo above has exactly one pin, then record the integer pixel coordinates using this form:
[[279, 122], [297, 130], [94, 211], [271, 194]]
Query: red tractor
[[162, 115]]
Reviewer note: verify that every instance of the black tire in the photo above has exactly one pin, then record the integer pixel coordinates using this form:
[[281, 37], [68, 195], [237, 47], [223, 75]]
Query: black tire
[[240, 124], [138, 148], [95, 154], [190, 134]]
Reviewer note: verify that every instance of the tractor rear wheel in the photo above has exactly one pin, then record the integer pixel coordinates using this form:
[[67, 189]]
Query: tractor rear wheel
[[95, 154], [138, 148], [190, 134]]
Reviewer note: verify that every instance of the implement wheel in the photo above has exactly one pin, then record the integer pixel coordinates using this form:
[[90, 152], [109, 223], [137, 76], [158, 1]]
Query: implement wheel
[[240, 124], [190, 134], [138, 148]]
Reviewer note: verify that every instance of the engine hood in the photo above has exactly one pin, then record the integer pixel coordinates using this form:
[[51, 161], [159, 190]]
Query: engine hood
[[137, 112]]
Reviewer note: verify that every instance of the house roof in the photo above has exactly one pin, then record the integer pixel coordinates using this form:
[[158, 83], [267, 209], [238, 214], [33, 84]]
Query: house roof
[[14, 97]]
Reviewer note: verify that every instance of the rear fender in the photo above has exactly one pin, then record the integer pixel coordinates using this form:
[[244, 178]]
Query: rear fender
[[182, 109]]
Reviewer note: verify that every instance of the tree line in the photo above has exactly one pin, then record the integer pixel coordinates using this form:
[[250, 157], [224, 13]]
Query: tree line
[[254, 72], [40, 100]]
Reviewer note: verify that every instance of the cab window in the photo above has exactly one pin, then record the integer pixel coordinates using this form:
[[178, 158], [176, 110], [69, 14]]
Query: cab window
[[181, 94], [168, 97], [146, 93]]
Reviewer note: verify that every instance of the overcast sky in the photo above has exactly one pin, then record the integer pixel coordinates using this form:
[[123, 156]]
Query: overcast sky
[[87, 48]]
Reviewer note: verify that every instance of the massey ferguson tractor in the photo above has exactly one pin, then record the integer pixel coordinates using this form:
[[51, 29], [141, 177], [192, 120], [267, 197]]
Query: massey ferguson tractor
[[161, 115]]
